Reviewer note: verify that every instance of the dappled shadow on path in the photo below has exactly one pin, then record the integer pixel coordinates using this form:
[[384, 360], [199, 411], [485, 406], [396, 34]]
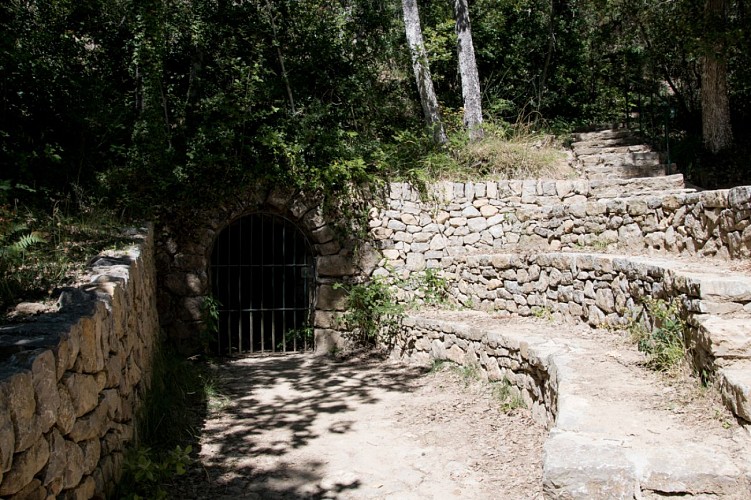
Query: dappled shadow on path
[[280, 404]]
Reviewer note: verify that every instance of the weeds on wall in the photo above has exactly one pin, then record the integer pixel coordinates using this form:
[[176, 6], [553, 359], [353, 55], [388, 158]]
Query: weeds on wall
[[508, 396], [210, 316], [42, 251], [659, 332], [372, 315], [503, 392]]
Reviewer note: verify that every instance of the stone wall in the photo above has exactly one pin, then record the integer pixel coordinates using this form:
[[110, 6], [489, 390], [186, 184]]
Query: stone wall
[[424, 340], [416, 231], [72, 381]]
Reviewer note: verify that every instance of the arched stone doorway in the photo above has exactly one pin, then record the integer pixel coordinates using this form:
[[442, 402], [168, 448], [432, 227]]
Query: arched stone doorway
[[262, 274]]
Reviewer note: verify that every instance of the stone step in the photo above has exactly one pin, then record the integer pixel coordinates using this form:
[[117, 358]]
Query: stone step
[[625, 159], [620, 141], [602, 172], [612, 433], [735, 386], [602, 134], [638, 148], [726, 340], [621, 188]]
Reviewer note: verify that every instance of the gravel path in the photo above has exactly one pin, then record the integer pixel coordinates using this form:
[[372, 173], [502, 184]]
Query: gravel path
[[308, 427]]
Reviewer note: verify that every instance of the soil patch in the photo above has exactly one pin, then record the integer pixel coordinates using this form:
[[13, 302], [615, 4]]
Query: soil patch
[[308, 427]]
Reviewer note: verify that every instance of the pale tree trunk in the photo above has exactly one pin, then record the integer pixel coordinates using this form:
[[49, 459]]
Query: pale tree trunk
[[715, 107], [422, 70], [468, 72]]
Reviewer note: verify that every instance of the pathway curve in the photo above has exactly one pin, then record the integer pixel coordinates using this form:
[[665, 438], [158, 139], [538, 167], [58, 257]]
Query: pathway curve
[[310, 427]]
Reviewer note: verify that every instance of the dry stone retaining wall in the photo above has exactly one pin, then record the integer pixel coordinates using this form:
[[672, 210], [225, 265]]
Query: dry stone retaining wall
[[416, 231], [500, 358], [71, 382]]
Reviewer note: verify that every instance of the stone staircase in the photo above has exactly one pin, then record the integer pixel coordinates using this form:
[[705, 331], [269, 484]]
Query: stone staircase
[[610, 157], [617, 153]]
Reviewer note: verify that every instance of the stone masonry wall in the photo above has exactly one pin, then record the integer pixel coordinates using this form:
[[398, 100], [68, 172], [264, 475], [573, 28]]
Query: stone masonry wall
[[416, 231], [423, 340], [72, 381]]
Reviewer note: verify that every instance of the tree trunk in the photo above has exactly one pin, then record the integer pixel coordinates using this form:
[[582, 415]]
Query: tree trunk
[[468, 72], [422, 70], [715, 108]]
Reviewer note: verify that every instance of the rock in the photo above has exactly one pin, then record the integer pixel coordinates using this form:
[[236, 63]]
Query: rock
[[740, 197], [335, 265], [32, 491], [575, 467], [66, 415], [83, 390], [93, 424], [19, 394], [7, 436], [331, 299], [91, 452], [25, 466], [91, 357]]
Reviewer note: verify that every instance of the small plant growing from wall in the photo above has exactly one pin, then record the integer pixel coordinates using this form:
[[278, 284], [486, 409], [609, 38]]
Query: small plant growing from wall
[[372, 314], [210, 312], [659, 332], [303, 335], [435, 287]]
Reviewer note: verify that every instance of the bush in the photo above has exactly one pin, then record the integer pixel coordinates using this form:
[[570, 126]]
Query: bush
[[372, 313]]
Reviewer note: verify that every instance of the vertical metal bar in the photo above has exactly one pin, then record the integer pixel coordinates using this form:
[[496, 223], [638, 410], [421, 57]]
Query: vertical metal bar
[[238, 273], [251, 255], [228, 285], [283, 272], [263, 277], [273, 287]]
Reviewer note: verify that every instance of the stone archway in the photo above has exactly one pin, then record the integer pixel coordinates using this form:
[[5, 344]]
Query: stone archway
[[184, 251]]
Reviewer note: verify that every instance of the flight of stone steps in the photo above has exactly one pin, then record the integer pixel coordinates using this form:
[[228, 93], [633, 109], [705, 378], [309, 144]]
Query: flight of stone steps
[[616, 157]]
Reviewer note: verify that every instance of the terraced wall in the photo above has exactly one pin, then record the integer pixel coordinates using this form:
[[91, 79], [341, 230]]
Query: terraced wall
[[417, 231]]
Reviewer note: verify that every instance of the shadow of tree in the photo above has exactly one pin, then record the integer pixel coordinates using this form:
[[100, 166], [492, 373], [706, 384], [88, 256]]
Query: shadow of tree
[[268, 424]]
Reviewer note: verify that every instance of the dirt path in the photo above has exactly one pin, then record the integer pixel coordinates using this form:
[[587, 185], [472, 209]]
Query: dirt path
[[306, 427]]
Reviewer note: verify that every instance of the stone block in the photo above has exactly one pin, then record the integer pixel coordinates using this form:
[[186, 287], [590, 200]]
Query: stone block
[[335, 265], [91, 357], [18, 392], [25, 466], [740, 197], [44, 380], [7, 436], [331, 299]]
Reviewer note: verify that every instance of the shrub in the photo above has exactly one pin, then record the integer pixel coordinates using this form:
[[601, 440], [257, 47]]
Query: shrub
[[372, 314], [661, 334]]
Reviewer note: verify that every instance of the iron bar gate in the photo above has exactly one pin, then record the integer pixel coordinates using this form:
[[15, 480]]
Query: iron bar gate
[[262, 275]]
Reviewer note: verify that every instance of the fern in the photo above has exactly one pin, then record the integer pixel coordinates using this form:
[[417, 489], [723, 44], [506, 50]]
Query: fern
[[20, 246]]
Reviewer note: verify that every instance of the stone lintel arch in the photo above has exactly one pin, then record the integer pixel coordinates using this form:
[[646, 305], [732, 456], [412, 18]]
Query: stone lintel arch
[[184, 253]]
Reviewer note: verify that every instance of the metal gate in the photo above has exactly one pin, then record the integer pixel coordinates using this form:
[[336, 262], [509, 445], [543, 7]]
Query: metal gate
[[262, 275]]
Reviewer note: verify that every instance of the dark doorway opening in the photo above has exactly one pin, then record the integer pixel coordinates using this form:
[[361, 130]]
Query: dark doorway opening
[[262, 275]]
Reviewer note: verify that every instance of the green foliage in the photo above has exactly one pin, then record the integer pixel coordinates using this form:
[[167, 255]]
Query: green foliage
[[210, 315], [372, 314], [507, 396], [303, 336], [660, 334], [146, 473], [41, 251], [435, 287]]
